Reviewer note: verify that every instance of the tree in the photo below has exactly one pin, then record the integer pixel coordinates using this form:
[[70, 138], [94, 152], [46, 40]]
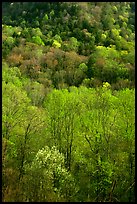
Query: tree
[[62, 122], [37, 40], [126, 119], [20, 124], [54, 183], [36, 92]]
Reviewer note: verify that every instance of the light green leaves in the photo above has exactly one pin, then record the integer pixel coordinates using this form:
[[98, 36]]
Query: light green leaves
[[56, 44], [37, 40]]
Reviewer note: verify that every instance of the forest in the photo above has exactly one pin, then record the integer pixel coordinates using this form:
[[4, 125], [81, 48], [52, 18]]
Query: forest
[[68, 101]]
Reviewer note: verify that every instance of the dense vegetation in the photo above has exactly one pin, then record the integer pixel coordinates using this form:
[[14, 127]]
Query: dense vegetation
[[68, 101]]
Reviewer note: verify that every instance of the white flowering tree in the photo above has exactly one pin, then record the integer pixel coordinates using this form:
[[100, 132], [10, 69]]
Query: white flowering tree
[[48, 179]]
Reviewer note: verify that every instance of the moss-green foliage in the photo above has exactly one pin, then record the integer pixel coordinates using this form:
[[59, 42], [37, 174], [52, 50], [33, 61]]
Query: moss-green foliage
[[68, 102]]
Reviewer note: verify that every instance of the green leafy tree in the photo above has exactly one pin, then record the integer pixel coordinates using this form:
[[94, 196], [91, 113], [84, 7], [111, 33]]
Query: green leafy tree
[[37, 40], [62, 122]]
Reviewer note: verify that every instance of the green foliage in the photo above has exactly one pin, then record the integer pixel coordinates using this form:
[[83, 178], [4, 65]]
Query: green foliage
[[45, 17], [68, 102], [11, 75], [83, 67], [109, 26], [56, 44], [35, 91], [37, 40]]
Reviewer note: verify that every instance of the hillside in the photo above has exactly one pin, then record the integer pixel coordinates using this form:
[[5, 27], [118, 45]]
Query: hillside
[[87, 43], [68, 101]]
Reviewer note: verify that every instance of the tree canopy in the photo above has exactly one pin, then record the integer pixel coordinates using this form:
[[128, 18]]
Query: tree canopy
[[68, 101]]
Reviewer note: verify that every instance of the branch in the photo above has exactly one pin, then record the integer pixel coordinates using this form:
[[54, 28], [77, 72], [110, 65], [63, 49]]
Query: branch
[[130, 187]]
